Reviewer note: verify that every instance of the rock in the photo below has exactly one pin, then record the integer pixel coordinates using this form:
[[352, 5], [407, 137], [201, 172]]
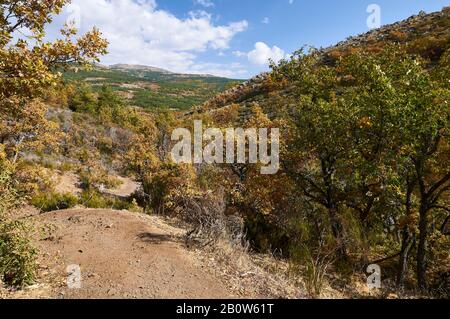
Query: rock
[[111, 292], [75, 219], [392, 296]]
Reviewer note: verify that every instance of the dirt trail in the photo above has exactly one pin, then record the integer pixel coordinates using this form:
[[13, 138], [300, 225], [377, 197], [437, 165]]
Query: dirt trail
[[68, 182], [121, 255], [126, 188]]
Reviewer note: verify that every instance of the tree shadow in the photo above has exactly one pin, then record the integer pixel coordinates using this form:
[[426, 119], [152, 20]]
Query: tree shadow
[[158, 239]]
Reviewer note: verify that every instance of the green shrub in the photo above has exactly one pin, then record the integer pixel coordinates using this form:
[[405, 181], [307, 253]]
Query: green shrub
[[92, 198], [17, 255], [91, 180], [83, 100], [48, 202]]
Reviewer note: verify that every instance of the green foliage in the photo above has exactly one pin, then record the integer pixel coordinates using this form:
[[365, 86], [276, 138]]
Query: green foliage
[[363, 131], [17, 255], [107, 98], [49, 201], [83, 100], [92, 198], [152, 89], [106, 106]]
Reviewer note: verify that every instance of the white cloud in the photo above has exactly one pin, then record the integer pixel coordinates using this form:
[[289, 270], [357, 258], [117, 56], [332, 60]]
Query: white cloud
[[230, 70], [204, 3], [266, 20], [291, 1], [239, 53], [263, 53], [141, 33]]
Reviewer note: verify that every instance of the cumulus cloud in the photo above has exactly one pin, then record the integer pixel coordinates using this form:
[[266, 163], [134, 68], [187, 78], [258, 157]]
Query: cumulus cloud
[[263, 53], [266, 20], [141, 33]]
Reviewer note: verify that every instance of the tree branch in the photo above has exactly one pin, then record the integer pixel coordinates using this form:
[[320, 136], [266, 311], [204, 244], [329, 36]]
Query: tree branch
[[385, 259], [444, 225], [438, 184]]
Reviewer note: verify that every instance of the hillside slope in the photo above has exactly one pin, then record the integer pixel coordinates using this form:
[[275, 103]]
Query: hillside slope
[[150, 87], [425, 34]]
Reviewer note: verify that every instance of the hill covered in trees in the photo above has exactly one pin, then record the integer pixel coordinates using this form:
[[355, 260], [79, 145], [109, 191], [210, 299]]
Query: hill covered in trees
[[365, 169], [150, 87], [424, 34]]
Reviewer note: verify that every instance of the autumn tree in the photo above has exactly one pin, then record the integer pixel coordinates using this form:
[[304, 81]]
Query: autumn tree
[[318, 151], [28, 68], [427, 127], [414, 126], [369, 134], [29, 65]]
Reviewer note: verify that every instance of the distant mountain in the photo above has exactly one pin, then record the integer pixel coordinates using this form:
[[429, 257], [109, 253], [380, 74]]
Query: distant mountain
[[150, 87], [137, 67], [146, 68]]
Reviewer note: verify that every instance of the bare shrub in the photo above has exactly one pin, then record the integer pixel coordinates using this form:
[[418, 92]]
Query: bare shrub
[[206, 214], [317, 264], [223, 237]]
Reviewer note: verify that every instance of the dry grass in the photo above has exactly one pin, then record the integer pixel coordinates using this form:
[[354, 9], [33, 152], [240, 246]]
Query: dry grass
[[219, 243], [261, 276]]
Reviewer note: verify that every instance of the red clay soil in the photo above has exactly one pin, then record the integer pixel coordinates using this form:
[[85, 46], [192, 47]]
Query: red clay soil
[[121, 255]]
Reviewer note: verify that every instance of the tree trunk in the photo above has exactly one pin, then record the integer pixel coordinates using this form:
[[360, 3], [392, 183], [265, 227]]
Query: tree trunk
[[338, 232], [407, 237], [422, 248], [332, 206], [407, 244]]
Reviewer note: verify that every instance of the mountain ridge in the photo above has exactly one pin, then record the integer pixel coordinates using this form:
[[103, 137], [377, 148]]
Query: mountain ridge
[[126, 66], [148, 68]]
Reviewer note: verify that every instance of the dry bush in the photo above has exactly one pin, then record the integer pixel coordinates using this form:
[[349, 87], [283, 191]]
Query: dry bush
[[223, 239], [316, 266], [398, 36], [206, 214]]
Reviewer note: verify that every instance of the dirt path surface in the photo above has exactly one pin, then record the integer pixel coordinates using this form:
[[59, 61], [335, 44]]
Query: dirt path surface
[[68, 182], [126, 188], [121, 255]]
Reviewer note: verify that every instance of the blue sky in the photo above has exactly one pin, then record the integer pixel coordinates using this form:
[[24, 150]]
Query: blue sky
[[232, 38]]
